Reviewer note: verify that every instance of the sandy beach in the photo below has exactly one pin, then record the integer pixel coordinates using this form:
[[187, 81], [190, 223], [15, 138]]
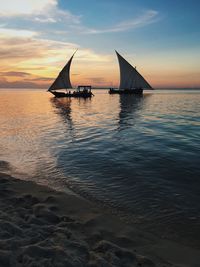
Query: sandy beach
[[43, 227]]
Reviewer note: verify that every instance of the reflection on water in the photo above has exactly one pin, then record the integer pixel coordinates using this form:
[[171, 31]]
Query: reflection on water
[[64, 104], [63, 107], [130, 107], [138, 155]]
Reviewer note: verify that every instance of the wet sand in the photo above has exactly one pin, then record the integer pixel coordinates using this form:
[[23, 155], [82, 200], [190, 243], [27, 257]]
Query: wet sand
[[43, 227]]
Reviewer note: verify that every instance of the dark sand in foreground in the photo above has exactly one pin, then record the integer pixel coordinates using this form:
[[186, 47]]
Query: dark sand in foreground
[[42, 227]]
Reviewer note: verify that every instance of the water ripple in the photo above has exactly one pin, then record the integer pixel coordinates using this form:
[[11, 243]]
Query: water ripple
[[139, 156]]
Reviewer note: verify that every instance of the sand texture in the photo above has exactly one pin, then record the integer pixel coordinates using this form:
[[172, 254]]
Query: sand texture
[[42, 227]]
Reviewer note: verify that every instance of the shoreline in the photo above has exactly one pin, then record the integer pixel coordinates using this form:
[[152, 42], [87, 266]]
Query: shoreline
[[43, 227]]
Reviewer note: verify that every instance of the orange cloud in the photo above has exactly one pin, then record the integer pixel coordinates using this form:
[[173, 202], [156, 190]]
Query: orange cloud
[[36, 62]]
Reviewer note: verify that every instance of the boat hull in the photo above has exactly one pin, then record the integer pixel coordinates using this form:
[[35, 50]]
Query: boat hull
[[74, 94], [126, 91]]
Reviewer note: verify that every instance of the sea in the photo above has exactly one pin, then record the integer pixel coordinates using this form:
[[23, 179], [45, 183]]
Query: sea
[[136, 156]]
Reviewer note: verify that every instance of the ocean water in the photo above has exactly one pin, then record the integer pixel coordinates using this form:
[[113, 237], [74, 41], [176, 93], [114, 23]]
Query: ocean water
[[137, 156]]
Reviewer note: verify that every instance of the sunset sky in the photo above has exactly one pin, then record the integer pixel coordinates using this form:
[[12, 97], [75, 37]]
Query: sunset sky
[[161, 38]]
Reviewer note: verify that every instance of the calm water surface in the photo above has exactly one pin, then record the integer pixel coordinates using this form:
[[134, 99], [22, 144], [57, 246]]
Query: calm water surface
[[139, 156]]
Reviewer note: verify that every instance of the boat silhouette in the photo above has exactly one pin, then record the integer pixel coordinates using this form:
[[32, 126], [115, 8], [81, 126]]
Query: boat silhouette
[[63, 82], [131, 81]]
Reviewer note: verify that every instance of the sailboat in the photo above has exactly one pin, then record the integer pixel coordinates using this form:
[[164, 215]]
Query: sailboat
[[63, 82], [131, 81]]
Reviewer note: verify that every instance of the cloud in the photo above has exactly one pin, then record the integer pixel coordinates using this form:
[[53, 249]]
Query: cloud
[[42, 79], [29, 30], [147, 18], [96, 80], [17, 49], [4, 83], [19, 79], [4, 32], [88, 55], [25, 7], [14, 73], [44, 52], [45, 20], [41, 11], [30, 62], [23, 80]]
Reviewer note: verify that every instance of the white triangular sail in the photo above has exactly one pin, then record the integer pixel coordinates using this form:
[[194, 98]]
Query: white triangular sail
[[63, 79], [130, 78]]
